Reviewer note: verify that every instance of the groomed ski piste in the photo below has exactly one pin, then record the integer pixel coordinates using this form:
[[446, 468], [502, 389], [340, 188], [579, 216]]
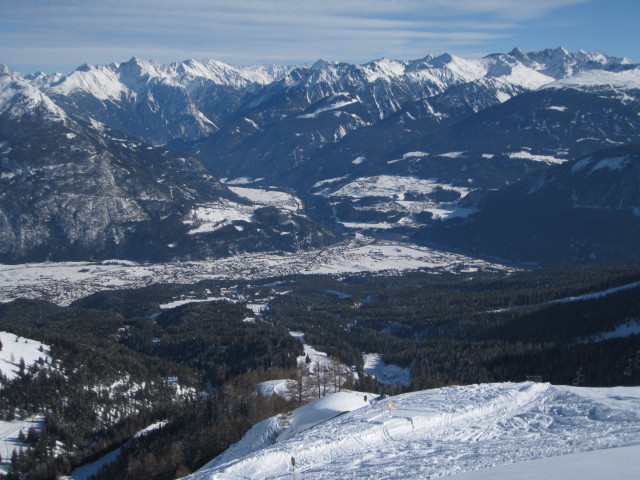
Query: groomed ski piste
[[476, 432]]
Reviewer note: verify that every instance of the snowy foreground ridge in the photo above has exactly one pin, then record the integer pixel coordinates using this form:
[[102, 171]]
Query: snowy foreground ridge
[[497, 431]]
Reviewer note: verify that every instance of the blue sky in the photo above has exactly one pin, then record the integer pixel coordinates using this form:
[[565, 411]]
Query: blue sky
[[59, 35]]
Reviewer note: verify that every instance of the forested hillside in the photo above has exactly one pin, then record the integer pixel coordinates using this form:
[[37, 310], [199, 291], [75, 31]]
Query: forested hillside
[[122, 360]]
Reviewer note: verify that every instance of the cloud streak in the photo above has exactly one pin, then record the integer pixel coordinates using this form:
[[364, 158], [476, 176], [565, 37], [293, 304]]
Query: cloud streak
[[66, 33]]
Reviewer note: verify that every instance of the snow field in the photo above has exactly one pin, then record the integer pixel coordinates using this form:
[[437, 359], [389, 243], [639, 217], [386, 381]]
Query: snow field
[[186, 301], [334, 106], [378, 257], [24, 348], [213, 216], [314, 355], [64, 282], [276, 387], [275, 198], [389, 374], [9, 433], [396, 189], [443, 432], [615, 463], [624, 80], [390, 185], [276, 429], [524, 155]]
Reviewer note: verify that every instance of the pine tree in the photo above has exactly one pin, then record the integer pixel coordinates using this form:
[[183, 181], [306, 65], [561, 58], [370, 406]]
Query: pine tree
[[32, 436]]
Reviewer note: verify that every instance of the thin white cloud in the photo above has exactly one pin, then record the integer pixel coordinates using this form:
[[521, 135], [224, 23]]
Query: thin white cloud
[[70, 32]]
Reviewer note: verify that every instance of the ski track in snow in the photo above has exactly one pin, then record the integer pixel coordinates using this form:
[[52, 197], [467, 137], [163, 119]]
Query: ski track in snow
[[577, 298], [9, 432], [446, 431]]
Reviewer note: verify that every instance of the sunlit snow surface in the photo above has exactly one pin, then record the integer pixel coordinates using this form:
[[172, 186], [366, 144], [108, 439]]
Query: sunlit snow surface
[[390, 185], [9, 437], [213, 216], [398, 189], [14, 348], [447, 431], [388, 374], [625, 80], [65, 282]]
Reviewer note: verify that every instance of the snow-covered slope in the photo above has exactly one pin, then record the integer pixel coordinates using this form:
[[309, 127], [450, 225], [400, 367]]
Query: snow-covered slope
[[615, 463], [447, 431], [16, 349], [17, 97], [153, 102]]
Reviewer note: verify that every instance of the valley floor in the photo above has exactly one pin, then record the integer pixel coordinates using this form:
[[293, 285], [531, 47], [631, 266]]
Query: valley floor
[[64, 282]]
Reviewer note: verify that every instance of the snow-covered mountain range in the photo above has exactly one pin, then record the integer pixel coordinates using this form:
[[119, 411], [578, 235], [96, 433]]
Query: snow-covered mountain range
[[388, 145], [444, 432], [76, 190], [278, 122]]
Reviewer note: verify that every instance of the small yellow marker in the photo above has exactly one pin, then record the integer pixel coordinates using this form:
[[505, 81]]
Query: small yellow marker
[[390, 405]]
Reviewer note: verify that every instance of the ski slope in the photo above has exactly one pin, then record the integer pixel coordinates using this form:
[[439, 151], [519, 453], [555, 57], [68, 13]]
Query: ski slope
[[510, 429]]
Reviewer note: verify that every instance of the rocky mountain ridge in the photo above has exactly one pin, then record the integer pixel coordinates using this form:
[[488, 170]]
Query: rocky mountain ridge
[[388, 146], [73, 190]]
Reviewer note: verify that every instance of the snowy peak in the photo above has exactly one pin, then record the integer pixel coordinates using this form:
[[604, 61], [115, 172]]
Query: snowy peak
[[135, 70], [433, 75], [137, 73], [619, 81], [18, 97], [100, 82], [321, 64], [384, 67], [153, 102], [560, 63]]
